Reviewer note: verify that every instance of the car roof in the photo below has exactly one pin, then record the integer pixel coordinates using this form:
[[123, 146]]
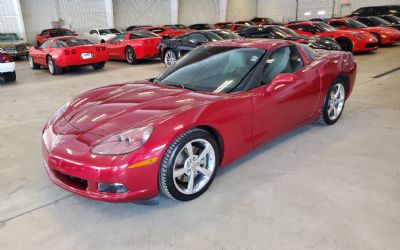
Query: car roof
[[55, 29], [65, 37], [266, 44], [305, 22]]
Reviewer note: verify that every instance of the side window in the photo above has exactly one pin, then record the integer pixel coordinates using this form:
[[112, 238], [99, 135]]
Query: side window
[[337, 24], [198, 38], [119, 38], [185, 38], [45, 32], [369, 11], [283, 60], [93, 32], [45, 44], [54, 44]]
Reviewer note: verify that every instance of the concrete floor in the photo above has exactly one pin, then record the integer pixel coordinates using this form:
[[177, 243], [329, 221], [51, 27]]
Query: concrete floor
[[331, 187]]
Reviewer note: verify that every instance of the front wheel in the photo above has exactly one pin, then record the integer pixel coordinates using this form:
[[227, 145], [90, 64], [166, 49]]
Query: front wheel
[[345, 44], [189, 165], [32, 64], [334, 103]]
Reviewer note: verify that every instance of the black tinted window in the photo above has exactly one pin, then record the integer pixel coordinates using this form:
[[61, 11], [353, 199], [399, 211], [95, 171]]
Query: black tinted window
[[197, 38], [283, 60]]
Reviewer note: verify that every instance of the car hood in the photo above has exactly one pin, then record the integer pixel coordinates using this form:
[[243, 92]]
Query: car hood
[[114, 108], [14, 43]]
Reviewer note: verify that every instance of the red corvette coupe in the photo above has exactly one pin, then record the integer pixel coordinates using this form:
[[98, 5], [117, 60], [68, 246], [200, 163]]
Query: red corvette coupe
[[127, 141], [165, 32], [50, 33], [221, 25], [355, 41], [133, 46], [67, 51], [384, 35]]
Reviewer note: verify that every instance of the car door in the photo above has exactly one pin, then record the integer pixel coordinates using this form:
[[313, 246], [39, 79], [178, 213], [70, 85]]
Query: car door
[[287, 95], [115, 47], [41, 53]]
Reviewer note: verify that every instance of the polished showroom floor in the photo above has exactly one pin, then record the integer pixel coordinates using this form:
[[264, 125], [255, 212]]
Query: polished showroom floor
[[334, 187]]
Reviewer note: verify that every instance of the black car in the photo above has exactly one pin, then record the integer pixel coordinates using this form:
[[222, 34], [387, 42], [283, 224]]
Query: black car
[[391, 19], [378, 10], [280, 32], [176, 26], [373, 21], [201, 26], [172, 49]]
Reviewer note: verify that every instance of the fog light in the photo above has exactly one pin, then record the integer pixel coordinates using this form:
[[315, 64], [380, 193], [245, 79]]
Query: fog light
[[111, 187]]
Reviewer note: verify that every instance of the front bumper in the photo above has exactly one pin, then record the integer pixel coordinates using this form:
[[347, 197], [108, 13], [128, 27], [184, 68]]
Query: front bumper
[[365, 45], [16, 53], [7, 67], [82, 178], [387, 39]]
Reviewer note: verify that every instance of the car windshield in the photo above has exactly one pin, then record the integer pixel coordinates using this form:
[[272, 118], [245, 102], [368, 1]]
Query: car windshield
[[225, 34], [56, 33], [379, 21], [353, 24], [391, 19], [287, 31], [323, 27], [9, 37], [212, 69], [109, 31], [278, 33], [180, 26], [204, 26], [70, 42]]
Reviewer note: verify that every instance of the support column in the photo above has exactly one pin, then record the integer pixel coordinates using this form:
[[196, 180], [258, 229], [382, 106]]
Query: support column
[[109, 9], [223, 8], [20, 20], [174, 5]]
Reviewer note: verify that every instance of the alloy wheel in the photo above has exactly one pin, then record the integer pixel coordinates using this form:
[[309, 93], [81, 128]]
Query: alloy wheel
[[170, 58], [336, 101]]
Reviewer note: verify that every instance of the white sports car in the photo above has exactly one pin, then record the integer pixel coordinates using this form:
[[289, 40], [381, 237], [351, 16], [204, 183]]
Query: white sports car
[[7, 67], [101, 35]]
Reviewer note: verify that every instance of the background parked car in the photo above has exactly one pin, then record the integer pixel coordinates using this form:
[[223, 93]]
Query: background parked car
[[373, 21], [280, 32], [133, 46], [164, 31], [201, 26], [391, 19], [49, 33], [262, 20], [68, 51], [13, 45], [220, 25], [7, 67], [171, 50], [176, 26], [248, 23], [101, 35], [378, 10], [133, 27]]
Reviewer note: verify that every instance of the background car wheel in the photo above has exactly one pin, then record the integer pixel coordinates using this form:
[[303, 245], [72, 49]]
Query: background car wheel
[[170, 58], [102, 41], [10, 77], [378, 37], [345, 44], [130, 56], [189, 165], [54, 70], [32, 64], [99, 65], [334, 103]]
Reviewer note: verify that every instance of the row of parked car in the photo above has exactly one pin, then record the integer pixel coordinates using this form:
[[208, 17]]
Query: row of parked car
[[60, 48]]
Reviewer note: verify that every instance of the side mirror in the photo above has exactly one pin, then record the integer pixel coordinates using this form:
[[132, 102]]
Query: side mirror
[[280, 81], [343, 27]]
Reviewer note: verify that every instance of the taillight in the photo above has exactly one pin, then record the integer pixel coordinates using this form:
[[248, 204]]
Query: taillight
[[97, 49], [73, 51], [103, 48], [4, 58], [66, 52]]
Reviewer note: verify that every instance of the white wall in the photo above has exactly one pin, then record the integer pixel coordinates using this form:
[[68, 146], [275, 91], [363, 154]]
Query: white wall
[[141, 12], [279, 10], [11, 17], [241, 10], [198, 11]]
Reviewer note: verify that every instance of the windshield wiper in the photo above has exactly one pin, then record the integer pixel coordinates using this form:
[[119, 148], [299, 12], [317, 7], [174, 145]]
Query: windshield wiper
[[181, 86]]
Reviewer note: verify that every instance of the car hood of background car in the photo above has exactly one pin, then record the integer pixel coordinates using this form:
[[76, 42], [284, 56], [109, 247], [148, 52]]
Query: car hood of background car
[[114, 108], [14, 43]]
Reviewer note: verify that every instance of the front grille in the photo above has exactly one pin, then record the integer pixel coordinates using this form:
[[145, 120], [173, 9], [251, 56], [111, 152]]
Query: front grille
[[371, 45], [72, 181], [20, 47]]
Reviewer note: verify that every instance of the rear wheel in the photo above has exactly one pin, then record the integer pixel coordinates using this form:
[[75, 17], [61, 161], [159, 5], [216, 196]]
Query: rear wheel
[[54, 70], [130, 56], [334, 103], [170, 58], [189, 165], [345, 44], [99, 65], [32, 64]]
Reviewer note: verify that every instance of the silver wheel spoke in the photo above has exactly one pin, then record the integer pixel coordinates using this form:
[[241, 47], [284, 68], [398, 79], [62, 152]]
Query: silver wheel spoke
[[191, 183], [204, 152], [204, 171], [189, 150], [179, 172]]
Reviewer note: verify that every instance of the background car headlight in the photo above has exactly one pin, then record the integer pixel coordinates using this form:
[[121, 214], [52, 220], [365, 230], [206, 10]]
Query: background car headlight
[[124, 142], [58, 114], [358, 37]]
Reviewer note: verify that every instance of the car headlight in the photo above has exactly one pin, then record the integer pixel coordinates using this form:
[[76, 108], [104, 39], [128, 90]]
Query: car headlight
[[124, 142], [58, 114], [358, 37]]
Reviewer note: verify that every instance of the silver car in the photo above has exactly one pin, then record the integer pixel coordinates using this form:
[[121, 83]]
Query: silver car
[[13, 45]]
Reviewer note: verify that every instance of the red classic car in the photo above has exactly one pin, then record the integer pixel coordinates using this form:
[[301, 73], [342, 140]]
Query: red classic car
[[355, 41], [221, 25], [164, 31], [133, 46], [384, 35], [49, 33], [126, 142], [62, 52]]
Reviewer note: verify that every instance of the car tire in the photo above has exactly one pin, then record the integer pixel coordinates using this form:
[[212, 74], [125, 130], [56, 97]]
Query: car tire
[[32, 64], [334, 103], [183, 175], [130, 55], [10, 77], [345, 44], [170, 58], [378, 37], [53, 68], [99, 65], [102, 41]]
